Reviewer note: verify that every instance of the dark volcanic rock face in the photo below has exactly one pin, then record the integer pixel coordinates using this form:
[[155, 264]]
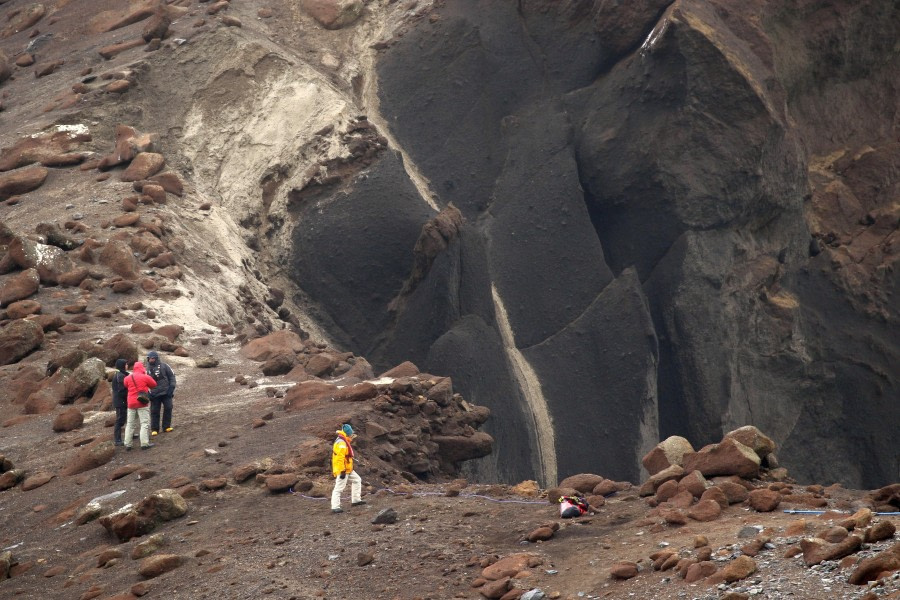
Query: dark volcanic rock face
[[678, 219]]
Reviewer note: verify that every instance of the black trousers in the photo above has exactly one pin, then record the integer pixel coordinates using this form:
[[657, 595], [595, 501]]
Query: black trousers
[[164, 403], [121, 417]]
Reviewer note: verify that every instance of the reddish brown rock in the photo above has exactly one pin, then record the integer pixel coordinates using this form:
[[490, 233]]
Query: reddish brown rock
[[37, 480], [541, 534], [48, 68], [25, 60], [666, 453], [143, 166], [117, 256], [673, 516], [19, 339], [156, 27], [279, 342], [155, 192], [583, 482], [155, 566], [19, 286], [22, 309], [281, 483], [333, 14], [716, 494], [764, 500], [170, 182], [650, 486], [23, 19], [90, 457], [729, 457], [816, 550], [883, 530], [128, 144], [404, 369], [120, 86], [113, 50], [624, 569], [21, 181], [667, 490], [68, 420], [510, 565], [705, 510], [694, 482], [217, 483], [738, 569], [698, 571], [870, 569], [753, 438]]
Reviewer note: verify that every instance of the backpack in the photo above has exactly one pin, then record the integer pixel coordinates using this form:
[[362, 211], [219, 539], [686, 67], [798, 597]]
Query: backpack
[[572, 506]]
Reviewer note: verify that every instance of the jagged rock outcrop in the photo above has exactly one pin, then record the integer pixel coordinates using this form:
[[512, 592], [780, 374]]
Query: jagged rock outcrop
[[651, 241]]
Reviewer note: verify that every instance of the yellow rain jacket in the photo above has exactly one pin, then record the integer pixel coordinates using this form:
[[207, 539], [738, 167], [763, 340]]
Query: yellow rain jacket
[[341, 455]]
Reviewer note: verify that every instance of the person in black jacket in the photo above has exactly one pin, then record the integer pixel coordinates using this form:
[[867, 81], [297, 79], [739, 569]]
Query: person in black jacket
[[120, 400], [160, 396]]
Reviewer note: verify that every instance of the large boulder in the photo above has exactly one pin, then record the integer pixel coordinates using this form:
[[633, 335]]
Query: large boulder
[[18, 339], [668, 452], [280, 342], [19, 286], [90, 457], [728, 457], [85, 378], [69, 419], [117, 256], [143, 166], [21, 181], [753, 438]]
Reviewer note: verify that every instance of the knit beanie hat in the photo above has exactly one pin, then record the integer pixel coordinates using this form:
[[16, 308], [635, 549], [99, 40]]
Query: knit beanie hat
[[348, 431], [121, 363]]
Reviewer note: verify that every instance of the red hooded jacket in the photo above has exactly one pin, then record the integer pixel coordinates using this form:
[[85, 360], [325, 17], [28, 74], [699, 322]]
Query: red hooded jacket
[[138, 382]]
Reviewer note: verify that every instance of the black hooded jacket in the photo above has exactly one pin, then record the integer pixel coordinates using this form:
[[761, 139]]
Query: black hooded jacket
[[119, 391]]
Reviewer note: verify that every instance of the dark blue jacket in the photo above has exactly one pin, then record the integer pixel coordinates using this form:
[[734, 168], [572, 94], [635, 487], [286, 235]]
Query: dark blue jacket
[[165, 379]]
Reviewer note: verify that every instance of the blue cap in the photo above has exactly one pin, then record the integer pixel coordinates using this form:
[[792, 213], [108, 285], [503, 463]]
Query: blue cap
[[348, 431]]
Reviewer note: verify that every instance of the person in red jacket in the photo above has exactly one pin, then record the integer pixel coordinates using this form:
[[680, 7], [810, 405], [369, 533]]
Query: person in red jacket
[[138, 383]]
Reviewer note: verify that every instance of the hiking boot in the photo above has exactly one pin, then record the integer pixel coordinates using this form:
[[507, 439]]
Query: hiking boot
[[120, 443], [337, 510], [358, 503], [147, 447], [154, 433], [169, 429], [128, 448]]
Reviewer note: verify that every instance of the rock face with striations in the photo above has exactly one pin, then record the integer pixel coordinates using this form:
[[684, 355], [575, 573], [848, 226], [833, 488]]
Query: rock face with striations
[[668, 226]]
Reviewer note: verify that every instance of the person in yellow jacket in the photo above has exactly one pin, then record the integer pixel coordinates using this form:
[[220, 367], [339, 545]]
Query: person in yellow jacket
[[342, 469]]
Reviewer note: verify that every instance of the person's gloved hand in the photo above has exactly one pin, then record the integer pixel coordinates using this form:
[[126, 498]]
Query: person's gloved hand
[[343, 476]]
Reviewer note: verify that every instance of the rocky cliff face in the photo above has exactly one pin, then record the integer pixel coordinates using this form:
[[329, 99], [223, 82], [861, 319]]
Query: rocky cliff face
[[608, 222], [678, 218]]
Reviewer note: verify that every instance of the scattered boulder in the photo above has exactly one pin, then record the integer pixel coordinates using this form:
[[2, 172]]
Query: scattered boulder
[[19, 339], [387, 516], [624, 569], [753, 438], [649, 487], [278, 365], [668, 452], [764, 500], [816, 550], [85, 378], [11, 478], [117, 256], [157, 565], [705, 510], [22, 309], [68, 420], [21, 181], [584, 482], [869, 569], [333, 14], [149, 546], [729, 457], [37, 480], [19, 286], [90, 457], [280, 342], [143, 166]]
